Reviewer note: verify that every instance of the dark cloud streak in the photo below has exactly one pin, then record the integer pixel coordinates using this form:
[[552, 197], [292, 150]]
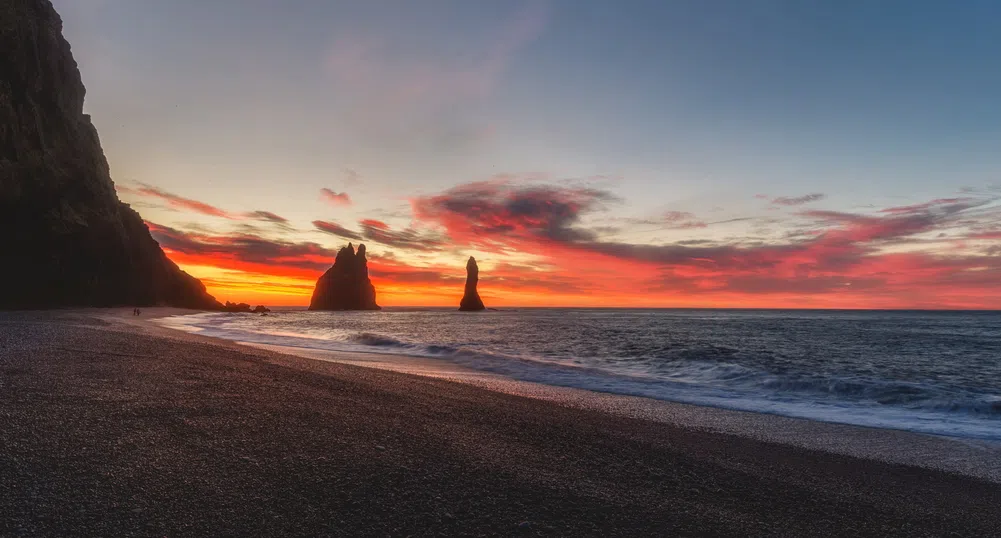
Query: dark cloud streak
[[407, 239], [267, 216], [336, 229], [798, 200], [179, 202]]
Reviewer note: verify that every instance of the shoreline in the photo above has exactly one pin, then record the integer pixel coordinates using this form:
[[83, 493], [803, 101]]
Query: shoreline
[[116, 428], [977, 458]]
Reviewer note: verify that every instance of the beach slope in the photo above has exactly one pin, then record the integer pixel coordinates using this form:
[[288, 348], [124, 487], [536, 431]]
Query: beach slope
[[110, 428]]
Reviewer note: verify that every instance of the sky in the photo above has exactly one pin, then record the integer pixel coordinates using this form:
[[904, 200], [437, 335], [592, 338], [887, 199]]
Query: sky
[[663, 153]]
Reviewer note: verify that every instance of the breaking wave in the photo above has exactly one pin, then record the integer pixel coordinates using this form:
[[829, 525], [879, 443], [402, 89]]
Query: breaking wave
[[714, 375]]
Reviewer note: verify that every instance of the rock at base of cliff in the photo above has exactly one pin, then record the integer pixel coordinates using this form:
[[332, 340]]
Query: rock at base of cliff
[[244, 308]]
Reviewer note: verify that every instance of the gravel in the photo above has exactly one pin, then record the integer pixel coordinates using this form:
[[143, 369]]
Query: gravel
[[115, 429]]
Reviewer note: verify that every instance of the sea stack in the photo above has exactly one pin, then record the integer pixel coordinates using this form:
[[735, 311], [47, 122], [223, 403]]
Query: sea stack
[[471, 301], [67, 240], [345, 286]]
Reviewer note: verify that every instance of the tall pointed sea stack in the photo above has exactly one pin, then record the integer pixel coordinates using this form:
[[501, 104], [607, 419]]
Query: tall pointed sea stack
[[345, 286], [66, 238], [471, 301]]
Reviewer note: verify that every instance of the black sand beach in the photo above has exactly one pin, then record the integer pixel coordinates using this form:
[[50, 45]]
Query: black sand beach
[[110, 428]]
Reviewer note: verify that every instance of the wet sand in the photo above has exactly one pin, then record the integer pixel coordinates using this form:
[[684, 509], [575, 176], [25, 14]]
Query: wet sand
[[111, 426], [971, 457]]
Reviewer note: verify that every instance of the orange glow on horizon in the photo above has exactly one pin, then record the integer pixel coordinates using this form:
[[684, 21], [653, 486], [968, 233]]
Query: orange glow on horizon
[[278, 288], [535, 248]]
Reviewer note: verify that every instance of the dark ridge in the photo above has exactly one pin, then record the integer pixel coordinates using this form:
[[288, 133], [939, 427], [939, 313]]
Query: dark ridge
[[67, 239]]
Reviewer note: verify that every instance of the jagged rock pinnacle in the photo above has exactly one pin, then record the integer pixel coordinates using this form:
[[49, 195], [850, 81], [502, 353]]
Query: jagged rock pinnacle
[[345, 286], [471, 301]]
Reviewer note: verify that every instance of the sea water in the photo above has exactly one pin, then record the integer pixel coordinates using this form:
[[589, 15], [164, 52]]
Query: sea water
[[930, 372]]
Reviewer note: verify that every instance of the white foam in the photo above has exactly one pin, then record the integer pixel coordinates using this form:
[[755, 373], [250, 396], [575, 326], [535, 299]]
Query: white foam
[[969, 457], [716, 384]]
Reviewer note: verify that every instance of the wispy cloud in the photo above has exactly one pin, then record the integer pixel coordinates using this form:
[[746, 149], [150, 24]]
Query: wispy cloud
[[408, 239], [266, 216], [847, 254], [364, 63], [243, 251], [493, 210], [683, 220], [189, 204], [351, 176], [947, 205], [944, 252], [181, 202], [397, 100], [798, 200], [335, 198], [292, 267], [333, 228]]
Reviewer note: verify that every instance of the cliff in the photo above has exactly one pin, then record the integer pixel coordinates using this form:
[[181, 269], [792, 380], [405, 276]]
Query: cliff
[[471, 301], [66, 238], [345, 286]]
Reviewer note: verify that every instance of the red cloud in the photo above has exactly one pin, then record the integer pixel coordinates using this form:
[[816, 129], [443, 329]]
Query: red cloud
[[985, 235], [268, 264], [372, 223], [181, 202], [199, 207], [487, 213], [245, 252], [845, 259], [335, 198], [933, 254]]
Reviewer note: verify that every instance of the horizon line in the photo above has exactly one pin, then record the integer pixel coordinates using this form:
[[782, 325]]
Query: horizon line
[[536, 307]]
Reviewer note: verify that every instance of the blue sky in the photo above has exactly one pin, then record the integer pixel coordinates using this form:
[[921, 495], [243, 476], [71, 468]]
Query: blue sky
[[705, 107]]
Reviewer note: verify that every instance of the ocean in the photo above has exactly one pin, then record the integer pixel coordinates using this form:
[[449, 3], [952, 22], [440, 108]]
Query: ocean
[[929, 372]]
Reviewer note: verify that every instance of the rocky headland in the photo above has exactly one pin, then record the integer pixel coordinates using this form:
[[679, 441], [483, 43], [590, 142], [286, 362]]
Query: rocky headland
[[67, 239]]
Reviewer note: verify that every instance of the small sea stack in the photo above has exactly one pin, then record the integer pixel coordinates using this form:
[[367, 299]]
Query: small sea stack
[[471, 301], [345, 286], [244, 308]]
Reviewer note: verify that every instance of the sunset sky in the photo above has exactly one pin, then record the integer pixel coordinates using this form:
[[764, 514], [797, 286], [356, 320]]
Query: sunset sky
[[766, 153]]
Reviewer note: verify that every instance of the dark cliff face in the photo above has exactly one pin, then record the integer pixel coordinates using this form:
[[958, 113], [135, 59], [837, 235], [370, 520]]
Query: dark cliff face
[[66, 239], [471, 301], [345, 286]]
